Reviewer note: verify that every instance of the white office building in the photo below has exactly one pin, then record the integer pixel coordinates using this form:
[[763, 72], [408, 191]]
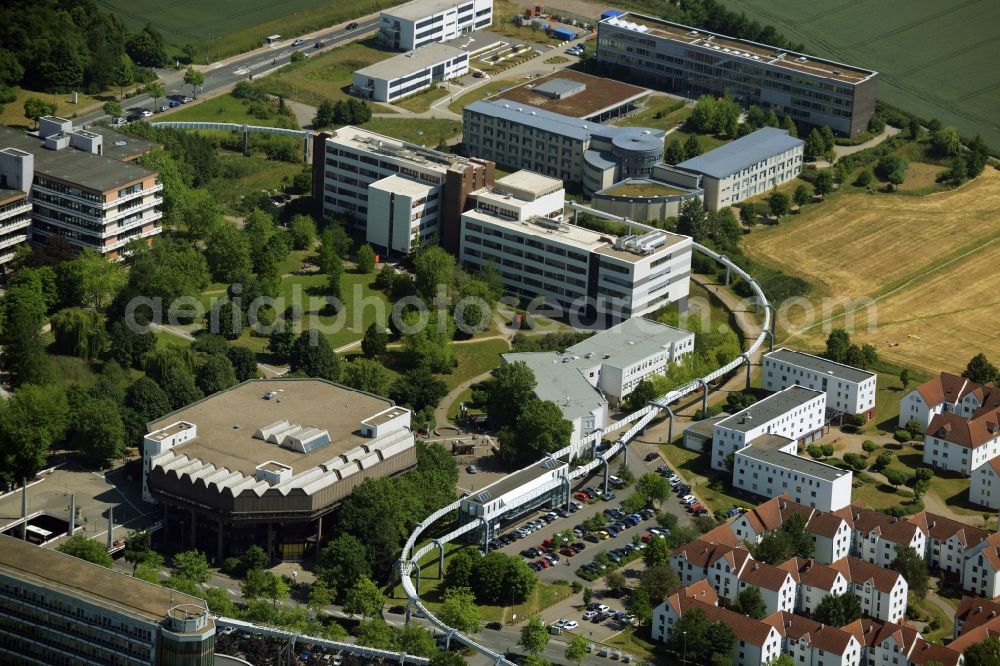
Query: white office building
[[848, 390], [398, 194], [751, 165], [414, 24], [796, 413], [770, 466], [576, 269], [409, 73]]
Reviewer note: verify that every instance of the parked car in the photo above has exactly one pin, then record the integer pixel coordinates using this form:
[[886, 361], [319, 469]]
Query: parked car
[[582, 496], [652, 456], [689, 499], [589, 615], [174, 103], [695, 507], [298, 42], [495, 626], [116, 122], [472, 469], [552, 557], [608, 497], [352, 25], [186, 100], [592, 538], [146, 113], [578, 546], [568, 552], [570, 625], [545, 564], [701, 512]]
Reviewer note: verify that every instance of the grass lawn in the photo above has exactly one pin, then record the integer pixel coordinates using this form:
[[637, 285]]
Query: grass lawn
[[543, 596], [13, 112], [927, 610], [671, 112], [425, 131], [244, 174], [225, 109], [706, 141], [557, 60], [482, 92], [326, 76], [474, 359], [636, 642], [690, 465], [226, 27], [453, 409], [422, 100], [645, 190]]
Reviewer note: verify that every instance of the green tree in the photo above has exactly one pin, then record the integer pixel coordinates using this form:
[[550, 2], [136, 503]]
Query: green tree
[[980, 370], [219, 602], [738, 401], [35, 108], [320, 596], [98, 431], [417, 641], [459, 571], [281, 342], [227, 251], [657, 552], [986, 653], [156, 91], [343, 562], [895, 477], [124, 74], [838, 610], [31, 422], [748, 215], [883, 459], [693, 221], [366, 375], [324, 115], [864, 178], [778, 203], [692, 148], [335, 278], [216, 374], [576, 650], [254, 557], [675, 152], [312, 356], [658, 580], [377, 633], [434, 269], [22, 312], [302, 230], [448, 659], [785, 660], [192, 565], [79, 333], [837, 344], [138, 545], [364, 599], [366, 259], [788, 124], [694, 635], [913, 568], [891, 168], [727, 232], [946, 142], [799, 538], [171, 268], [459, 610], [511, 389], [534, 636], [802, 195], [904, 378], [375, 340], [653, 487], [254, 584], [87, 549], [418, 389], [194, 78], [704, 116], [429, 344], [814, 145], [497, 576], [244, 363], [540, 429], [180, 388], [824, 183], [751, 603]]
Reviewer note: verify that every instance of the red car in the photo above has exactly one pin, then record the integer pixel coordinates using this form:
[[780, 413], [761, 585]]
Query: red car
[[545, 563], [695, 507], [647, 537], [568, 552], [582, 496]]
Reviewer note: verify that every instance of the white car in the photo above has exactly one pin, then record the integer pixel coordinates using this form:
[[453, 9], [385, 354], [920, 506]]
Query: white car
[[674, 481], [298, 42], [689, 499], [603, 608], [589, 615], [570, 625], [117, 122], [186, 100], [146, 113]]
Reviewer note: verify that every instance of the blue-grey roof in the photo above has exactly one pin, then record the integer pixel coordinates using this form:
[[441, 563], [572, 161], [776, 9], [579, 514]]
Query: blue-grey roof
[[599, 159], [560, 88], [769, 408], [562, 383], [742, 153], [557, 123]]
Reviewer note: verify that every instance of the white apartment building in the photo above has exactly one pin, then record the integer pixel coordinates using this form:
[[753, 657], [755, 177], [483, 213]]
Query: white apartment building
[[16, 175], [750, 165], [398, 194], [603, 368], [981, 570], [520, 136], [770, 467], [83, 186], [984, 489], [882, 591], [877, 537], [720, 564], [576, 269], [848, 390], [414, 24], [831, 534], [778, 587], [796, 413], [809, 642], [959, 444], [409, 73], [947, 541], [945, 393]]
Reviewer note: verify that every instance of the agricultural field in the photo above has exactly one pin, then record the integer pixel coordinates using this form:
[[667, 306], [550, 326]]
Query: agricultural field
[[933, 57], [226, 27], [919, 259]]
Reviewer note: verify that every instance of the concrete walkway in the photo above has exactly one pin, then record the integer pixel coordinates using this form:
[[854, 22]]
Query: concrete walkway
[[841, 151]]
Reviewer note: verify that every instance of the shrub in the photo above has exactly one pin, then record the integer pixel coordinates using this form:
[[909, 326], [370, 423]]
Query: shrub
[[814, 451], [902, 436], [914, 428], [827, 450], [859, 420], [883, 459], [856, 461]]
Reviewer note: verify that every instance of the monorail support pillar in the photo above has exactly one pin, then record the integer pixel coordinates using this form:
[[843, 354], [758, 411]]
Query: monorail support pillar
[[440, 547], [704, 396]]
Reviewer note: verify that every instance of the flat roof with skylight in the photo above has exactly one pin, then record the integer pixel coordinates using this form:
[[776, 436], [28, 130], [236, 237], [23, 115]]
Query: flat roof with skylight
[[820, 365], [769, 408], [574, 93], [411, 62]]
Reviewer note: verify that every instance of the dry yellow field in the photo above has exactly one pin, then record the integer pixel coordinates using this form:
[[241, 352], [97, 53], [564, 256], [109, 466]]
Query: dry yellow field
[[926, 264]]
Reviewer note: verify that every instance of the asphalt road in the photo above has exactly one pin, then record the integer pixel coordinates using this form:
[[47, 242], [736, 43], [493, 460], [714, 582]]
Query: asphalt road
[[224, 74]]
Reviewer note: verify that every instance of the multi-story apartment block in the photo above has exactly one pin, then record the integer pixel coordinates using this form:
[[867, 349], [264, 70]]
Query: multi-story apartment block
[[877, 537], [984, 489], [717, 563], [974, 612], [885, 642], [84, 186], [751, 165], [398, 194], [882, 591], [409, 73], [958, 444], [809, 642], [58, 609], [778, 588], [16, 174], [811, 90], [848, 390], [947, 541], [576, 269], [770, 466], [520, 136], [796, 413], [981, 569], [414, 24], [945, 393], [831, 534]]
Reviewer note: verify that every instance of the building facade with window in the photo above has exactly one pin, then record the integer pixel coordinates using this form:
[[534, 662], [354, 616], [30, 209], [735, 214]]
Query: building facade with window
[[848, 390], [691, 61], [414, 24], [946, 393], [963, 445], [409, 73], [15, 219], [60, 610], [397, 194], [83, 186]]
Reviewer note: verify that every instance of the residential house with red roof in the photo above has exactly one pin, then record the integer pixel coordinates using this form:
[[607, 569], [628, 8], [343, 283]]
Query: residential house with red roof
[[944, 393], [981, 572], [984, 489], [959, 444], [973, 612], [877, 537], [758, 641], [809, 642], [831, 533], [882, 591], [947, 542], [777, 586], [719, 564]]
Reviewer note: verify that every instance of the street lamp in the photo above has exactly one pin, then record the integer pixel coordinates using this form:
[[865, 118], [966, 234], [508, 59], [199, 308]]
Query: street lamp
[[685, 646], [513, 616]]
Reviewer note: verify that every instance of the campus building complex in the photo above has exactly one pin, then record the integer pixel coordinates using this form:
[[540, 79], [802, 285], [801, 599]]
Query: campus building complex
[[521, 136], [398, 194], [579, 270], [265, 461], [691, 61], [16, 176], [848, 390], [605, 367], [82, 185], [58, 609], [751, 165], [414, 24], [409, 73]]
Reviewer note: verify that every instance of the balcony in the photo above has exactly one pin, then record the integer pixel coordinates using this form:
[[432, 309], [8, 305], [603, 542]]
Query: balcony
[[138, 193], [14, 210], [122, 243], [132, 210]]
